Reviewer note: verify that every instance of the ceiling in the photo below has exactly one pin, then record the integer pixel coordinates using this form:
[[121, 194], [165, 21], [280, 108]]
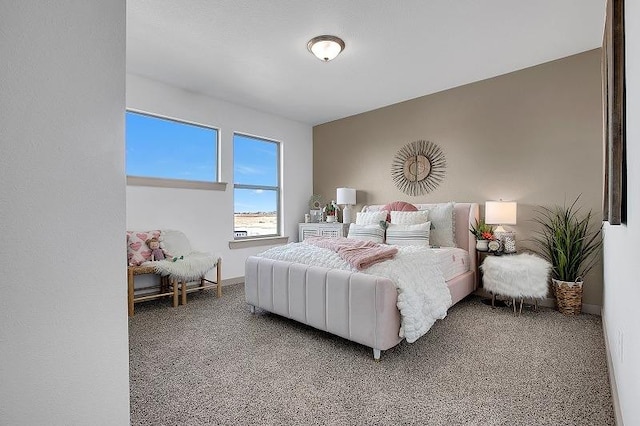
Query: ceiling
[[254, 52]]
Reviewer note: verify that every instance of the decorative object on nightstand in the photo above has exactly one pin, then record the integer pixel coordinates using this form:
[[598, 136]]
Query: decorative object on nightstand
[[315, 208], [483, 234], [331, 210], [519, 276], [347, 198], [493, 246], [570, 243], [502, 213]]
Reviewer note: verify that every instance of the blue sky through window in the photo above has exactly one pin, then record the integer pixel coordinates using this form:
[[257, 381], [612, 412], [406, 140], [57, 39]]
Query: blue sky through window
[[255, 162], [163, 148]]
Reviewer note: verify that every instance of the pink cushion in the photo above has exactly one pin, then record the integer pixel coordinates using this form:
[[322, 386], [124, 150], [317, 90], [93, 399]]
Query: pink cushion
[[137, 249], [399, 206]]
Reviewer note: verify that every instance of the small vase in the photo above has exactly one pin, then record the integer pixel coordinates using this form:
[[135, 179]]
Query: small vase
[[482, 245], [331, 218]]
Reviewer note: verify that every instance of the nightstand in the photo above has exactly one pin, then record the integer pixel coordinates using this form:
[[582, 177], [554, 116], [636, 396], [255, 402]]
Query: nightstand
[[322, 229]]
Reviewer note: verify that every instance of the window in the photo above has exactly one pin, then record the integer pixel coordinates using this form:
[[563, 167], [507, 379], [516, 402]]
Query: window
[[256, 189], [166, 150]]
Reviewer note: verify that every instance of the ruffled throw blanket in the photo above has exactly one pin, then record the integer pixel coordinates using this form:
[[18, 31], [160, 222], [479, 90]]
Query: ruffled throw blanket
[[423, 296], [190, 268], [359, 254]]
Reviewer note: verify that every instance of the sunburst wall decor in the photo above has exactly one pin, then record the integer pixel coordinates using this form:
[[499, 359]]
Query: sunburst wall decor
[[418, 168]]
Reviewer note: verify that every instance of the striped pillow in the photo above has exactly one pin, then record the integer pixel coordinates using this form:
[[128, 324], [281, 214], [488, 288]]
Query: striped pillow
[[409, 235], [373, 233]]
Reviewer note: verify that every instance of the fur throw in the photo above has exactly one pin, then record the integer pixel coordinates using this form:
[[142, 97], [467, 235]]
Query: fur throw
[[192, 267], [518, 276]]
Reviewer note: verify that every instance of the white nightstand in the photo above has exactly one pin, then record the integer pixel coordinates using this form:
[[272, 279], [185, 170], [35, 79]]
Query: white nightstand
[[322, 229]]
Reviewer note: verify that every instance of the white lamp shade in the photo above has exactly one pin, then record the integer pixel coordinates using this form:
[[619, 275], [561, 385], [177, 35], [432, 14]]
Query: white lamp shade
[[500, 212], [346, 196]]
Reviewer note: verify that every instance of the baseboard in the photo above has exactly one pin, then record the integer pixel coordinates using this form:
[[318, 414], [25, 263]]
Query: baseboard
[[232, 281], [551, 303], [612, 377], [586, 307]]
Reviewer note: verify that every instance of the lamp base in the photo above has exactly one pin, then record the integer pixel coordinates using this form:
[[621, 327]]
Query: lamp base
[[347, 214]]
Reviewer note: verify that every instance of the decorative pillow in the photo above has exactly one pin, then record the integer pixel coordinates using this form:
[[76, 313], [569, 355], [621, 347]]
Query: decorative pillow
[[373, 233], [137, 249], [409, 217], [443, 220], [409, 235], [371, 218], [399, 206], [174, 243]]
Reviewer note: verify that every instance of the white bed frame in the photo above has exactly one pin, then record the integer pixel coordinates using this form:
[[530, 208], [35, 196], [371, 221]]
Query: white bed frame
[[352, 305]]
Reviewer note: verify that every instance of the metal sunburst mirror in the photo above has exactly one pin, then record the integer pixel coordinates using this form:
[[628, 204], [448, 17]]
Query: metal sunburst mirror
[[418, 168]]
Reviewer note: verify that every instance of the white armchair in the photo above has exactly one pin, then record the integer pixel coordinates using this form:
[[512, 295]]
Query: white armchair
[[186, 268]]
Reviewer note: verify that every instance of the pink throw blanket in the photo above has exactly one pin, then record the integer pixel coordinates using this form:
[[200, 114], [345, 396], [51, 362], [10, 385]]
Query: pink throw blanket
[[359, 254]]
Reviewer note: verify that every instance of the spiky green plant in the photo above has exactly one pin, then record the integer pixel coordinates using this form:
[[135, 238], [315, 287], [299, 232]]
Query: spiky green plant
[[481, 230], [568, 240]]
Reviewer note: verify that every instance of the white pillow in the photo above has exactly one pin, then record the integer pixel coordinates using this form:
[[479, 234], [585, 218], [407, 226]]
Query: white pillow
[[443, 220], [175, 243], [409, 218], [373, 233], [371, 218], [409, 235]]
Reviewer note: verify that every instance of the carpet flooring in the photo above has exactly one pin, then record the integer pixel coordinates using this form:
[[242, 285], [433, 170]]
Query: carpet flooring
[[211, 362]]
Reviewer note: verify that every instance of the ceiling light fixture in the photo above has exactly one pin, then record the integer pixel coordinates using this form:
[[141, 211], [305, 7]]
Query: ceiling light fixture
[[325, 47]]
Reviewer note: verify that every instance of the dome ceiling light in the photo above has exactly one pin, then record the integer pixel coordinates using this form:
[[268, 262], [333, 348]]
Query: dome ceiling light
[[325, 47]]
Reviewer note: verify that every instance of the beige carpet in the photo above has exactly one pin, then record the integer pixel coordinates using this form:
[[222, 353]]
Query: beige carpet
[[212, 362]]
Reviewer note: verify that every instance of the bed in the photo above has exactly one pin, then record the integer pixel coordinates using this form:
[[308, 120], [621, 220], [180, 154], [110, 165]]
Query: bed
[[357, 306]]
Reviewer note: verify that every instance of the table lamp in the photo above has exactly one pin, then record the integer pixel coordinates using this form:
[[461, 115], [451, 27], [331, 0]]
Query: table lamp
[[347, 198], [502, 213]]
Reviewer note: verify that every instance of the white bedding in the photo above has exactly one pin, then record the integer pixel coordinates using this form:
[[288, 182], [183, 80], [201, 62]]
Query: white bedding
[[423, 296], [452, 261]]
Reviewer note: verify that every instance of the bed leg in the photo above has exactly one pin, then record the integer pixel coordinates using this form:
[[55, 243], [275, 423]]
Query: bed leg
[[252, 309], [376, 354]]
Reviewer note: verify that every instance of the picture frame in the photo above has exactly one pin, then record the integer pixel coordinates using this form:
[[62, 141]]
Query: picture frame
[[316, 216], [614, 99]]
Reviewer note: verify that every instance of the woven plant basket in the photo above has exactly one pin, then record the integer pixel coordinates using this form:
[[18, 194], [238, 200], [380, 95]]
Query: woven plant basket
[[568, 296]]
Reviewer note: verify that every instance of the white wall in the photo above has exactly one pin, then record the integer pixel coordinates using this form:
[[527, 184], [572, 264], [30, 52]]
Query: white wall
[[621, 284], [63, 316], [206, 217]]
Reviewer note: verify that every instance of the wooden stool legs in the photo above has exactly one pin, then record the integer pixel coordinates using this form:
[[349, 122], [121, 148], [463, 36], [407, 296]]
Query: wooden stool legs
[[204, 284]]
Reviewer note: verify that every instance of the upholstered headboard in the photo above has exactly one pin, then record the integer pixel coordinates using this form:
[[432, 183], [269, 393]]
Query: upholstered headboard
[[465, 214]]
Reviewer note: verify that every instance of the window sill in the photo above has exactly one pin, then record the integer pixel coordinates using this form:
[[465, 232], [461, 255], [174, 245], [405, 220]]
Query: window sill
[[175, 183], [257, 242]]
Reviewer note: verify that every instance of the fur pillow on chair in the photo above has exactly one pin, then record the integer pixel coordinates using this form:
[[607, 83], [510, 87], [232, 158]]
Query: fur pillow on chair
[[174, 243]]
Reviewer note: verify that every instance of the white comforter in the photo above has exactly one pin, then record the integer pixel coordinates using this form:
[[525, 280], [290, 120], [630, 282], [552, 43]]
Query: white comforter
[[423, 296]]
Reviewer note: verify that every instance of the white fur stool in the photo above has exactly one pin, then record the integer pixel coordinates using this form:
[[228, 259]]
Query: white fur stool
[[517, 276]]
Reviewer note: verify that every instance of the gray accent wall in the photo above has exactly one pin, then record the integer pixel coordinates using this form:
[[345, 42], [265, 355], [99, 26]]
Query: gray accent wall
[[533, 136]]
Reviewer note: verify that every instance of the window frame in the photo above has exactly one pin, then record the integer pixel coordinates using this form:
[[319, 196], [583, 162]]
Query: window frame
[[277, 188], [216, 185]]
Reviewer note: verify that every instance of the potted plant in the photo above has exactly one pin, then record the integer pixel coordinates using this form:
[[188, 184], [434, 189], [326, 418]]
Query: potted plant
[[569, 242], [331, 211], [483, 234]]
